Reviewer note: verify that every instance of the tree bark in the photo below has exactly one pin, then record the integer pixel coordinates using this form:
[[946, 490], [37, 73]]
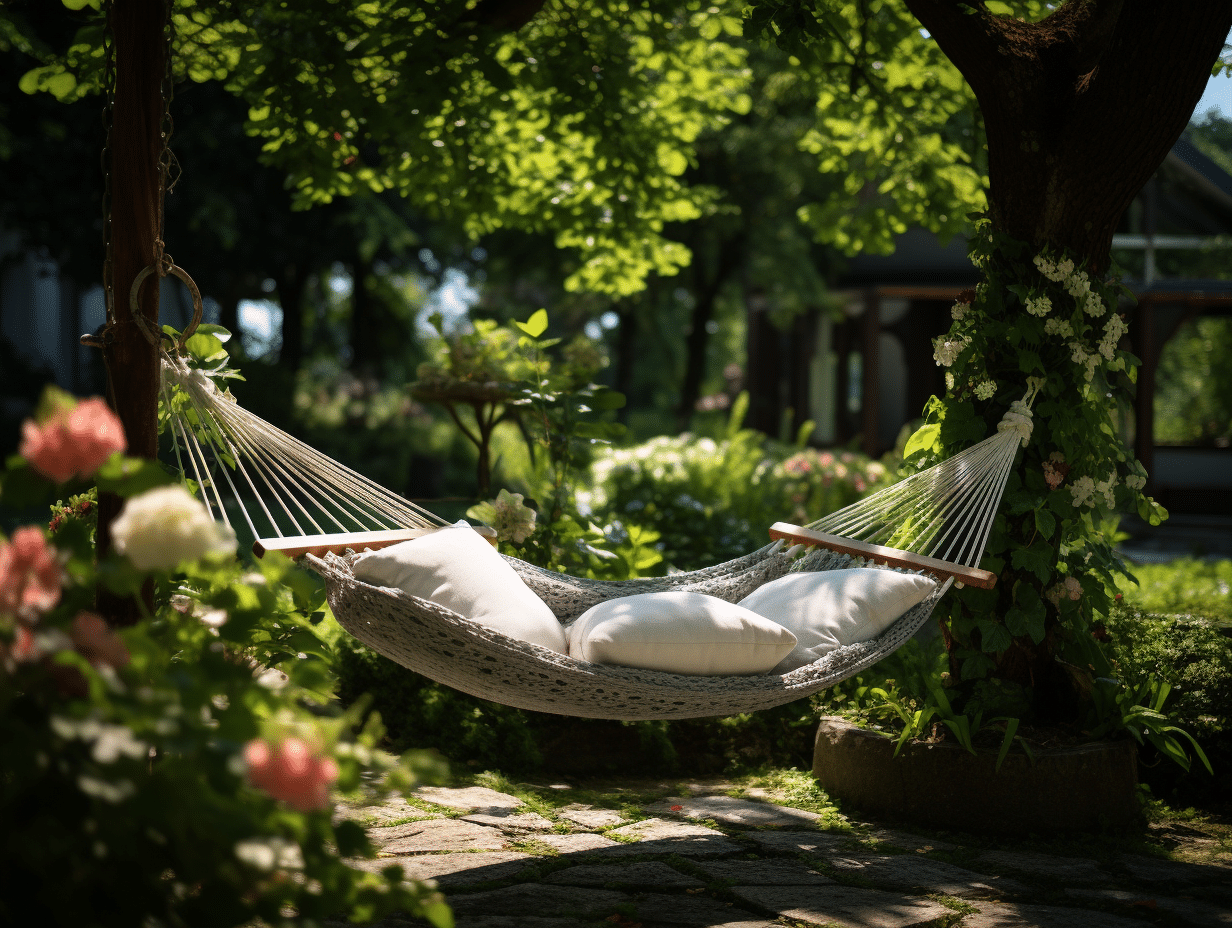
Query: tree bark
[[132, 361], [706, 292], [290, 286], [1079, 108]]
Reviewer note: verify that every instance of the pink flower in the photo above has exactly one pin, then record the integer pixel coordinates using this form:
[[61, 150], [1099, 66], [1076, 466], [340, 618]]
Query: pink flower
[[291, 773], [97, 643], [72, 441], [29, 574]]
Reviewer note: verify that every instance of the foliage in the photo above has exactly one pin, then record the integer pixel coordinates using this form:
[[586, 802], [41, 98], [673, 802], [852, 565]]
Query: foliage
[[710, 501], [123, 763], [1190, 655], [1037, 315], [1182, 587], [1193, 402]]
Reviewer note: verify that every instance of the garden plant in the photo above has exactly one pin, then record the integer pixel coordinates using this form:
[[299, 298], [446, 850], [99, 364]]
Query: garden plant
[[180, 771]]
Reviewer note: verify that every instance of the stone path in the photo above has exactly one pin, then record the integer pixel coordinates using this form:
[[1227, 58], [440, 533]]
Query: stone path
[[708, 859]]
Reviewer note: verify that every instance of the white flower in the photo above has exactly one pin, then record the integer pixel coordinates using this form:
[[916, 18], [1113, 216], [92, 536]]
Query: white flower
[[986, 390], [1134, 482], [1094, 306], [1105, 487], [947, 350], [1039, 306], [1058, 327], [270, 853], [959, 310], [166, 527], [1083, 491], [1078, 285], [1112, 336]]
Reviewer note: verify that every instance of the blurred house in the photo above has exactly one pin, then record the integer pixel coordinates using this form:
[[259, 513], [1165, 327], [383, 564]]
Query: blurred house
[[864, 377]]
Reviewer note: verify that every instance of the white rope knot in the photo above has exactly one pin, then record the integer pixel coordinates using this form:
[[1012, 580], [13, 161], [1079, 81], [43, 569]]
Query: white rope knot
[[1018, 419]]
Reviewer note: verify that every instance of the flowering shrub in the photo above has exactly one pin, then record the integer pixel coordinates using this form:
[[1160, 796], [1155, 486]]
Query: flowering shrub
[[133, 785], [710, 501], [69, 439], [1042, 318], [162, 528]]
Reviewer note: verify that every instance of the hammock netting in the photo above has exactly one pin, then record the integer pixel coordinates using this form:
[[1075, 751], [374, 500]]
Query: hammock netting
[[284, 488]]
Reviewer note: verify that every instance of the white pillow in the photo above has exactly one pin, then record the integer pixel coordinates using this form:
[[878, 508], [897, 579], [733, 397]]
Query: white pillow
[[826, 609], [456, 568], [688, 633]]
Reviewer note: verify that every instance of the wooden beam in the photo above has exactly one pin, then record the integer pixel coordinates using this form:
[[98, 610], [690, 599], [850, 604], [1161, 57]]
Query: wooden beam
[[320, 545], [971, 576]]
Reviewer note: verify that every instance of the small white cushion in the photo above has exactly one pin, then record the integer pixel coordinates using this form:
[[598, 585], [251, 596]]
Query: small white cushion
[[687, 633], [826, 609], [456, 568]]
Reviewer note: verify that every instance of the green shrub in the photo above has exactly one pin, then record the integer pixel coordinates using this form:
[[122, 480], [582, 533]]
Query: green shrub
[[1182, 587]]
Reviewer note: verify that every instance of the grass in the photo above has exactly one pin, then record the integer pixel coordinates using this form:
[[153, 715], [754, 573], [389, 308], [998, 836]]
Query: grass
[[1183, 587]]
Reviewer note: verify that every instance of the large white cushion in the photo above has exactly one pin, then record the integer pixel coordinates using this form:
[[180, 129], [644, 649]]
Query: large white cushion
[[454, 567], [688, 633], [826, 609]]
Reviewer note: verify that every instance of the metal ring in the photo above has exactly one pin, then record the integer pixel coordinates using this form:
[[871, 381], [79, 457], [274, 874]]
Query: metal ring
[[175, 271]]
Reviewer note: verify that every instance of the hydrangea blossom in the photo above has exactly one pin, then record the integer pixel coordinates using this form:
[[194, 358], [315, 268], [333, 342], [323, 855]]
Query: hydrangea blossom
[[1083, 491], [30, 574], [1055, 470], [1059, 327], [947, 350], [1039, 306], [1135, 482], [1094, 305], [167, 526], [959, 311], [1113, 331], [74, 440], [986, 390]]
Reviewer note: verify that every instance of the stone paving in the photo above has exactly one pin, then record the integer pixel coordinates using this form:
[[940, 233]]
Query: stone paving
[[709, 859]]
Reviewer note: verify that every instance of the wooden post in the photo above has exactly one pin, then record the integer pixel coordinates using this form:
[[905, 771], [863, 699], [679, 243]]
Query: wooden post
[[132, 361]]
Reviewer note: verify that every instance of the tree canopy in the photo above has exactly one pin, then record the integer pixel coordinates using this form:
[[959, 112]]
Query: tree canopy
[[584, 123]]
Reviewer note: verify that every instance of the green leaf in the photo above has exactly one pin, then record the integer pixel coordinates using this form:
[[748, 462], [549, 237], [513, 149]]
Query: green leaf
[[536, 325], [1026, 617], [351, 839], [1036, 558], [605, 399], [994, 637], [1011, 728], [205, 347], [131, 476], [1045, 522], [926, 438]]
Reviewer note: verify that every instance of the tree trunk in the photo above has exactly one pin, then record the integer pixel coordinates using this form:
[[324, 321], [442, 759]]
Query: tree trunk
[[365, 340], [1079, 111], [131, 359], [706, 291], [1079, 108], [290, 287], [626, 355]]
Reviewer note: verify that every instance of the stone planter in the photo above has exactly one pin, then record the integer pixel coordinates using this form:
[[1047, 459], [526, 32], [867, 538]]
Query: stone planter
[[1087, 788]]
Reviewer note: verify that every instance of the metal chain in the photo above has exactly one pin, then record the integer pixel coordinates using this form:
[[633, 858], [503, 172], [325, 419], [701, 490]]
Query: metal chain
[[109, 80], [167, 163]]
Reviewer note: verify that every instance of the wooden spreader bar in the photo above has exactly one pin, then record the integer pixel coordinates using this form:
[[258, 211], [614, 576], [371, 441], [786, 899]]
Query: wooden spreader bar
[[319, 545], [893, 557]]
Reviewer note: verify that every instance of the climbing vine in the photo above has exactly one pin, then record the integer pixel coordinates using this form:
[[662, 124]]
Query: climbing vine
[[1038, 320]]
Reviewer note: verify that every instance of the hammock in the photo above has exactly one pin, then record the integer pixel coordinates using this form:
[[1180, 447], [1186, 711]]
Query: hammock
[[935, 522]]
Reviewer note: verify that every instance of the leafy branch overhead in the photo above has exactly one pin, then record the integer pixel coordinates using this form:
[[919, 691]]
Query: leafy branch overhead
[[584, 123]]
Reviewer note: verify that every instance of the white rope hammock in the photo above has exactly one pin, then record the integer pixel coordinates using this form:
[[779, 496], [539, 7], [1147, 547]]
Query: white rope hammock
[[301, 502]]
